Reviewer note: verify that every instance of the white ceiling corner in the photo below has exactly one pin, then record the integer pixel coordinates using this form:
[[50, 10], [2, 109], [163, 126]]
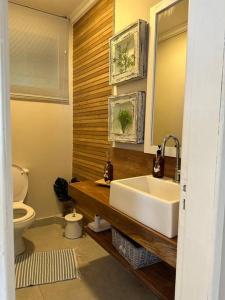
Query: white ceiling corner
[[57, 7], [81, 9]]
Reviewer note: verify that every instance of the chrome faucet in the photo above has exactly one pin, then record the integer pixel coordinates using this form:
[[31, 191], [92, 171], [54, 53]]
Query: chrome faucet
[[177, 145]]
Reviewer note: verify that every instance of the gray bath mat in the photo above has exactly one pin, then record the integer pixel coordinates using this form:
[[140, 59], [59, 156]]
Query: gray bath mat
[[45, 267]]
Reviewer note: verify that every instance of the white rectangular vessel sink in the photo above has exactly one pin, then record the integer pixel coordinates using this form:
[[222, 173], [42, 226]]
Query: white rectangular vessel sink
[[151, 201]]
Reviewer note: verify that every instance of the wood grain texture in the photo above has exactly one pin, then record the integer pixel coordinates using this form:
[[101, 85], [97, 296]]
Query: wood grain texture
[[90, 109], [130, 163], [159, 278], [91, 199], [91, 90]]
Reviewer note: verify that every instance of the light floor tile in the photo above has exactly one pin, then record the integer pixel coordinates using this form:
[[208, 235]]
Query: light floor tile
[[30, 293], [101, 276]]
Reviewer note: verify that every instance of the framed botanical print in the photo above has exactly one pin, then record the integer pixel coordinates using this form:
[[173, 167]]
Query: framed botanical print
[[126, 118], [128, 53]]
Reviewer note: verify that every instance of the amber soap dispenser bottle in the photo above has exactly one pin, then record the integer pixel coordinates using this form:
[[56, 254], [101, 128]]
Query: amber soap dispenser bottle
[[108, 170], [158, 164]]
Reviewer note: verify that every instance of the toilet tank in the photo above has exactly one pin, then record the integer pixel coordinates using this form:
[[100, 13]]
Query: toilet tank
[[20, 183]]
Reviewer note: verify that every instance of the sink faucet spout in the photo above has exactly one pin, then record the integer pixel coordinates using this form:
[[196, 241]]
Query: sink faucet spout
[[177, 145]]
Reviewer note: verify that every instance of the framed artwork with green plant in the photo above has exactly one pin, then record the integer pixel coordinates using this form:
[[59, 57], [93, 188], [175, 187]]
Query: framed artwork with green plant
[[128, 54], [126, 118]]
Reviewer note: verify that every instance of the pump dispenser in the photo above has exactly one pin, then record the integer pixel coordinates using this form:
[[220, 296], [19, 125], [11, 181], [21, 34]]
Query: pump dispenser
[[108, 170], [158, 164]]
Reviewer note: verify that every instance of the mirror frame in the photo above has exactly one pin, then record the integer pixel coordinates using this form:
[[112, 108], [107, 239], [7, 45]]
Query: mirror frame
[[149, 147]]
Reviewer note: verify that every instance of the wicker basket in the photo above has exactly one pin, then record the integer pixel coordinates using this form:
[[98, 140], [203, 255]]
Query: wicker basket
[[136, 255]]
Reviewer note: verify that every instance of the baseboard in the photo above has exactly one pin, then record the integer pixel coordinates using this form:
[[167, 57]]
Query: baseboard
[[49, 221]]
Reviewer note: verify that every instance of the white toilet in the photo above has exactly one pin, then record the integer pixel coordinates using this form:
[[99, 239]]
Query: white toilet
[[23, 215]]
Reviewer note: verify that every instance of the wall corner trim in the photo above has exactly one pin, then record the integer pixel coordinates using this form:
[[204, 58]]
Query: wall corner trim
[[81, 10]]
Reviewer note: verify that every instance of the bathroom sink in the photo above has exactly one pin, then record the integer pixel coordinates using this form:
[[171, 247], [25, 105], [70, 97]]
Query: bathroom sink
[[151, 201]]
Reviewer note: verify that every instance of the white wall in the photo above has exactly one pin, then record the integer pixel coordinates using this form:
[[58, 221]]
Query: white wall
[[126, 13], [42, 142]]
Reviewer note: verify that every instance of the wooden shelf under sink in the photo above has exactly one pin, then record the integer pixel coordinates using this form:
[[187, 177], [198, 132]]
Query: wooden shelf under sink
[[159, 278], [91, 199]]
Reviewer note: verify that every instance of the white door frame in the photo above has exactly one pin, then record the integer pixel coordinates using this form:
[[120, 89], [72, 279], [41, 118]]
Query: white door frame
[[203, 165], [7, 290], [201, 219], [149, 146]]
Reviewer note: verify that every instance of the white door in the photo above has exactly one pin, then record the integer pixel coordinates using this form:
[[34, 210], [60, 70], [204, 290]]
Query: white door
[[6, 226], [202, 220], [203, 159]]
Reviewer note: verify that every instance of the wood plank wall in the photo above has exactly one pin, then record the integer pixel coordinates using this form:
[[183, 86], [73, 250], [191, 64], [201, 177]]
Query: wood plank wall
[[130, 163], [91, 90]]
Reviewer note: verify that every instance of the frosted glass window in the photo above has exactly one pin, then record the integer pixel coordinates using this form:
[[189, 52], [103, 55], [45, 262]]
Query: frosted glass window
[[38, 55]]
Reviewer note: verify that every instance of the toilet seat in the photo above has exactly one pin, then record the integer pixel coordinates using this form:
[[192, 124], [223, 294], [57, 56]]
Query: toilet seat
[[23, 215], [28, 212], [20, 183]]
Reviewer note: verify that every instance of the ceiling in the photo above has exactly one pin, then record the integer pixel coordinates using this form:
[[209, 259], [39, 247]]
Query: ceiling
[[173, 16], [58, 7]]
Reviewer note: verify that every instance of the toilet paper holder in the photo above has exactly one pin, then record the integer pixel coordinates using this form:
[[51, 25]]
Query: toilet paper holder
[[99, 224]]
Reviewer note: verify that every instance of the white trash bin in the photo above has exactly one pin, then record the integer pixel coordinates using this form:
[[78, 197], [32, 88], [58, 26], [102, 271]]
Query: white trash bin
[[73, 229]]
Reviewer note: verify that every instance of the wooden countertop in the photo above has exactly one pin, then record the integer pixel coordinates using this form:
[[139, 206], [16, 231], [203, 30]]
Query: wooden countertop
[[91, 189], [92, 199]]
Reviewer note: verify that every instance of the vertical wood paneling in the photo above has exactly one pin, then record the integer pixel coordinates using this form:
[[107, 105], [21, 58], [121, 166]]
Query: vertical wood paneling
[[91, 90]]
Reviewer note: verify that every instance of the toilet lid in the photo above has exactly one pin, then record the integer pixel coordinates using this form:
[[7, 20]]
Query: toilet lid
[[20, 183], [22, 212]]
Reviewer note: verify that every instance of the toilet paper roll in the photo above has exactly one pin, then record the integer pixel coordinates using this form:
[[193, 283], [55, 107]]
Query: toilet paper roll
[[97, 221]]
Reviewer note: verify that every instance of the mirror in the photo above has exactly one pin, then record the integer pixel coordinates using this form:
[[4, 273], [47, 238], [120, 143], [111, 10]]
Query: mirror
[[167, 72]]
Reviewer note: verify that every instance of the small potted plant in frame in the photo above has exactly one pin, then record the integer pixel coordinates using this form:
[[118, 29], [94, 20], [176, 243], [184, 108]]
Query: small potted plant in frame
[[128, 53], [124, 61], [126, 118]]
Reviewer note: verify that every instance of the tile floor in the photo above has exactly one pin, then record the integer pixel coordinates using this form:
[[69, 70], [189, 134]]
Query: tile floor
[[102, 277]]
